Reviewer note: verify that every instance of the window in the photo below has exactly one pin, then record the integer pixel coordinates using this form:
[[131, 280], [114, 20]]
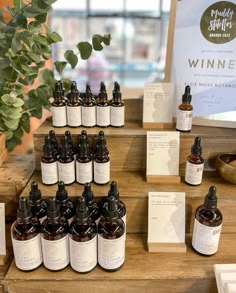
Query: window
[[137, 51]]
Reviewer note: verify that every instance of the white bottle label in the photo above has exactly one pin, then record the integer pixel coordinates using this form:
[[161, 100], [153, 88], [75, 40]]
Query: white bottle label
[[55, 253], [27, 253], [73, 116], [111, 252], [193, 173], [205, 239], [83, 255], [88, 116], [66, 172], [49, 173], [101, 172], [117, 116], [103, 116], [84, 172], [184, 120], [59, 116]]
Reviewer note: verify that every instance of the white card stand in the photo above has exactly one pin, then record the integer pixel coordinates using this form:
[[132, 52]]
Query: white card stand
[[166, 222], [3, 251]]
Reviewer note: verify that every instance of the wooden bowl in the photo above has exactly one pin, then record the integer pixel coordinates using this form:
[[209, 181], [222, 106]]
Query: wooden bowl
[[226, 166]]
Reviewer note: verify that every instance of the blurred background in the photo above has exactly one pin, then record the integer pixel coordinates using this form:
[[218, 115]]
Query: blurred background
[[138, 47]]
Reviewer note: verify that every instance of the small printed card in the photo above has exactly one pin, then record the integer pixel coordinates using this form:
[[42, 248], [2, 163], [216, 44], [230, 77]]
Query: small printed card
[[166, 222], [158, 102], [225, 275], [162, 153]]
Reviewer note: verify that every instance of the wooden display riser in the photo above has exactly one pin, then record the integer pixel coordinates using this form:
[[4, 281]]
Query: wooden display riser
[[142, 272], [15, 172], [127, 145], [134, 190]]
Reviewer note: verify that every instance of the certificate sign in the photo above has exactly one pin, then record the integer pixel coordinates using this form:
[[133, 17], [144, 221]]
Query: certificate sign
[[162, 153], [158, 103], [204, 55], [166, 222]]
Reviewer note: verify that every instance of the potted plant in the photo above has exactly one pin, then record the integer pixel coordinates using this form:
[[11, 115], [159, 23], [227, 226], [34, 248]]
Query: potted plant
[[25, 46]]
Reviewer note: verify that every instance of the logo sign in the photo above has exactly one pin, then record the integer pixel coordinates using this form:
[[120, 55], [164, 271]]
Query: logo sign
[[218, 22]]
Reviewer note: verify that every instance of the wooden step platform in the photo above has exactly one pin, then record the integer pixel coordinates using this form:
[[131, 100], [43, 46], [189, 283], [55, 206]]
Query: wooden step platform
[[142, 272], [127, 145], [134, 190]]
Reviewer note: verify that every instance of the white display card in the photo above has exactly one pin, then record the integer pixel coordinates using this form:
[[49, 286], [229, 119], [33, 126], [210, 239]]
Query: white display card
[[166, 222], [2, 230]]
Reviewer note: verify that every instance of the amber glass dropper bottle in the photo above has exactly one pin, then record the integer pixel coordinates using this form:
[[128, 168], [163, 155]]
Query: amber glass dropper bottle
[[103, 107], [58, 107], [48, 164], [54, 237], [111, 239], [25, 234], [73, 107], [88, 110], [185, 112], [117, 107], [83, 240], [207, 225], [195, 164]]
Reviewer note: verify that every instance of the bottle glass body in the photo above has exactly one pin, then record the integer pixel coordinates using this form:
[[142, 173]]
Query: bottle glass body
[[49, 169], [88, 112], [84, 168], [101, 168], [194, 170], [117, 113], [207, 229], [39, 210], [58, 108], [73, 110], [103, 113], [25, 234], [111, 243], [184, 117], [66, 169], [83, 246], [55, 243]]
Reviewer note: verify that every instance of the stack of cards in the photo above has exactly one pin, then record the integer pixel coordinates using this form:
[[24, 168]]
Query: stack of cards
[[225, 277]]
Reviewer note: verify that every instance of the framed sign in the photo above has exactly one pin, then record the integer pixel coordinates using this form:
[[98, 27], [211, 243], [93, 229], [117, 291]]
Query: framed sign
[[201, 53]]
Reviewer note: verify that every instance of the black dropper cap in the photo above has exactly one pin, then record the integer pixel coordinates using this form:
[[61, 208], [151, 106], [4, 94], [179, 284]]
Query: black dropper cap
[[87, 193], [23, 210], [88, 93], [73, 90], [82, 211], [61, 88], [196, 148], [47, 148], [53, 210], [83, 147], [187, 97], [35, 193], [112, 210], [58, 92], [211, 198], [52, 138], [66, 148], [61, 193], [116, 91], [113, 190], [103, 92]]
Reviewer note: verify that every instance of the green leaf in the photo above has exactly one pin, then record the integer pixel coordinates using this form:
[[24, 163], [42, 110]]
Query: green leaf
[[34, 26], [85, 49], [12, 123], [60, 65], [41, 17], [71, 58], [9, 74], [46, 76], [97, 40], [9, 134], [34, 57], [40, 39], [47, 56], [106, 39], [4, 62], [30, 78], [15, 44], [25, 122], [55, 37]]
